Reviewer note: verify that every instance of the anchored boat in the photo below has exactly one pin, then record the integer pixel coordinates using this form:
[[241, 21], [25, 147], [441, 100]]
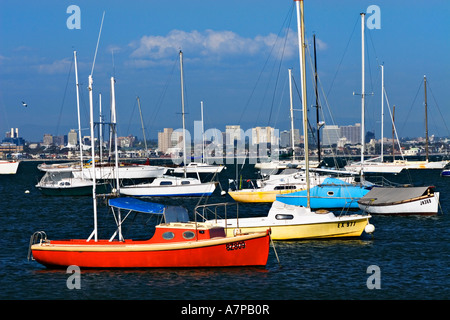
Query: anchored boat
[[177, 242]]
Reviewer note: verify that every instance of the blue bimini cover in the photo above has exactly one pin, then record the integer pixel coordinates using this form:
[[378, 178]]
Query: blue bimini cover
[[137, 205]]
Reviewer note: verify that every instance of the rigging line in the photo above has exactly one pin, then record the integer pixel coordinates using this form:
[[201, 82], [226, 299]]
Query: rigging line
[[279, 69], [412, 104], [290, 12], [340, 62], [439, 110], [154, 115], [98, 41], [64, 97]]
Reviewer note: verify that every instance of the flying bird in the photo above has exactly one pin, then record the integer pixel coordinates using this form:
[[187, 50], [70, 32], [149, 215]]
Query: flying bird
[[24, 104]]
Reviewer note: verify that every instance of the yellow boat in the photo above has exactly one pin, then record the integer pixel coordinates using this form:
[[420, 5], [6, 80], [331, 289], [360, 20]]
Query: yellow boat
[[267, 189], [290, 222], [258, 195]]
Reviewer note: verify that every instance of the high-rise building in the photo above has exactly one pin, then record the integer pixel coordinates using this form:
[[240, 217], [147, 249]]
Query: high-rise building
[[72, 138], [233, 132], [352, 133], [330, 135], [48, 140], [264, 135], [164, 140]]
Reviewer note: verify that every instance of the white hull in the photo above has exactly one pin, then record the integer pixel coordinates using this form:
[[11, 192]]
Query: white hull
[[8, 167], [376, 168], [169, 186], [393, 201], [125, 172], [195, 167], [283, 164], [426, 164]]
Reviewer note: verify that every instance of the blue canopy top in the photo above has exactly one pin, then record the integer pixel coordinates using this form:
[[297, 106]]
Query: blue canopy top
[[137, 205]]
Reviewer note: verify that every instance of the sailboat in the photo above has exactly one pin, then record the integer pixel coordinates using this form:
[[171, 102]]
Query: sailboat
[[9, 166], [176, 242], [172, 185], [427, 164], [289, 180], [378, 165], [300, 222], [336, 193], [69, 180]]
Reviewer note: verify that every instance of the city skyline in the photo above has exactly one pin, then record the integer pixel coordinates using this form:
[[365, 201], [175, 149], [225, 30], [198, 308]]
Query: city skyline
[[237, 56]]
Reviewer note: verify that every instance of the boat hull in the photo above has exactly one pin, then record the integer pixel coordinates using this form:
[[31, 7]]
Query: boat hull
[[243, 250], [254, 196], [73, 191], [348, 227], [426, 205], [175, 190], [333, 194], [9, 167]]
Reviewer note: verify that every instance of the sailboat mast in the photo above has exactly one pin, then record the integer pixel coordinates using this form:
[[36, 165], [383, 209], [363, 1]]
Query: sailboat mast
[[78, 111], [301, 42], [142, 125], [292, 115], [182, 112], [426, 117], [114, 124], [100, 129], [317, 99], [363, 147], [94, 182], [203, 134], [393, 133], [382, 111]]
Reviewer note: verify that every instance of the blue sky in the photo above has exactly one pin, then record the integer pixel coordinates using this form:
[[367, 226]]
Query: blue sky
[[236, 60]]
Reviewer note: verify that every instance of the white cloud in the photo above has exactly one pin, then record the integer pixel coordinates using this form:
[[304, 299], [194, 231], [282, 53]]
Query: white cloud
[[58, 66], [208, 43]]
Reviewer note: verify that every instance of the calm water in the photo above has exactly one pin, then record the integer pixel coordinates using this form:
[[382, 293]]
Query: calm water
[[411, 252]]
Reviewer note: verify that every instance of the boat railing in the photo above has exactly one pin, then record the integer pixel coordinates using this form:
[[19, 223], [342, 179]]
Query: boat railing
[[218, 210], [37, 237]]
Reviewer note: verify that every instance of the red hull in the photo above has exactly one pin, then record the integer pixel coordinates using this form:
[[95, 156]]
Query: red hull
[[236, 251]]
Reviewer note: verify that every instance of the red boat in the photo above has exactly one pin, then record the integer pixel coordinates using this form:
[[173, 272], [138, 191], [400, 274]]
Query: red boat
[[176, 242]]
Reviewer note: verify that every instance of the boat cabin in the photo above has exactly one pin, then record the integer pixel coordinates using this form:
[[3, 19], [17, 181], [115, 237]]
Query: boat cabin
[[175, 226]]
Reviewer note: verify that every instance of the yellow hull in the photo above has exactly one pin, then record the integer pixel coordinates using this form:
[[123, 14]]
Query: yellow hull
[[258, 196], [352, 228]]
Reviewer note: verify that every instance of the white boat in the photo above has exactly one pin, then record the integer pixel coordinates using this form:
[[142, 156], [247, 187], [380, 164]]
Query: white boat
[[199, 167], [123, 171], [274, 165], [289, 222], [445, 173], [372, 166], [171, 185], [401, 201], [107, 171], [397, 165], [9, 166], [64, 183]]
